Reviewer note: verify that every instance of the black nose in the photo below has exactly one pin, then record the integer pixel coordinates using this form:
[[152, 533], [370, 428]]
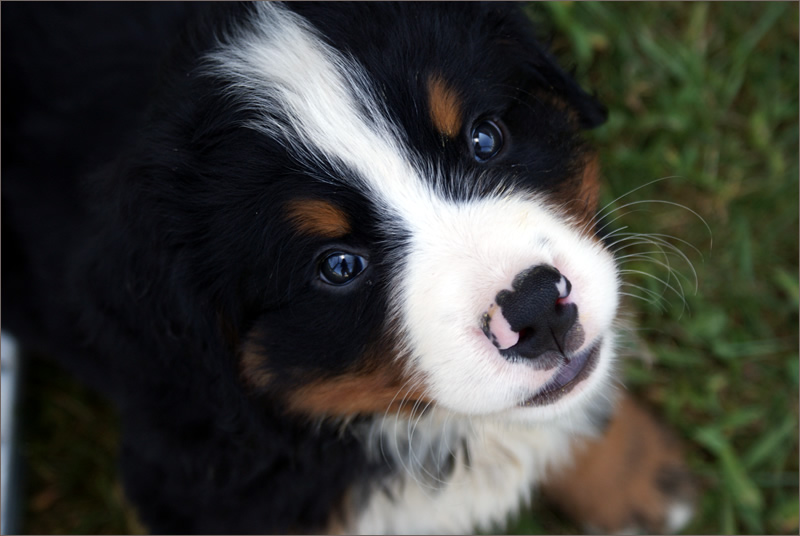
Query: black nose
[[534, 310]]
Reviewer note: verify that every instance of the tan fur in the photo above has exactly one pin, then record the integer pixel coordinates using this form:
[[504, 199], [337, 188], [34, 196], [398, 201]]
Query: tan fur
[[251, 366], [589, 193], [445, 107], [317, 217], [626, 479], [376, 384], [579, 196], [369, 392]]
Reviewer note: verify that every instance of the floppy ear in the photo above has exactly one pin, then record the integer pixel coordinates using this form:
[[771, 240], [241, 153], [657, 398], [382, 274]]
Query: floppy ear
[[543, 68], [591, 112]]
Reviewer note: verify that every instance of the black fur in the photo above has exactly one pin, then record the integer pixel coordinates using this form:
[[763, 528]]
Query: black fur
[[142, 244]]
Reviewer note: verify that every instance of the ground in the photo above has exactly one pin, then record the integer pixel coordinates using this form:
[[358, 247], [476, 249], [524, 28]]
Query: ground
[[703, 101]]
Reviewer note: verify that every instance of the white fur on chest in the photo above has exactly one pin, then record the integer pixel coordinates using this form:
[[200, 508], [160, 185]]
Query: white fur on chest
[[485, 487]]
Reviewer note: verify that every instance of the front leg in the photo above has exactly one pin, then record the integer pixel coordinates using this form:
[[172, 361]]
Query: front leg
[[632, 478]]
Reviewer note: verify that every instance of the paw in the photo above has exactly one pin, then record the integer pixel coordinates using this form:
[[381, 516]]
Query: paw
[[632, 479]]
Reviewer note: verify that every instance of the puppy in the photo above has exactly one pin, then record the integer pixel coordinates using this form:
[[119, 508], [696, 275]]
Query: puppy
[[335, 265]]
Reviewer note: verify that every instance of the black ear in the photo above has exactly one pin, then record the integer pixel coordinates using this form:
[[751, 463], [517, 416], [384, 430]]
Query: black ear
[[544, 70], [591, 112]]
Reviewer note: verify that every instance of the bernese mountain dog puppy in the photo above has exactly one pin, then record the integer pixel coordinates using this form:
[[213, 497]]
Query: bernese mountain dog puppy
[[336, 265]]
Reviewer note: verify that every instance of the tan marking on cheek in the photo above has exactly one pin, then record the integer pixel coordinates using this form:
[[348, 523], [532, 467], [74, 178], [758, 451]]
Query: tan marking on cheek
[[580, 195], [377, 384], [445, 107], [351, 394], [590, 184], [317, 217], [251, 366]]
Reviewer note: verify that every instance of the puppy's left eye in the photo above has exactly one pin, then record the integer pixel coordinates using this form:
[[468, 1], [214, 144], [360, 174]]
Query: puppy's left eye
[[487, 140], [340, 268]]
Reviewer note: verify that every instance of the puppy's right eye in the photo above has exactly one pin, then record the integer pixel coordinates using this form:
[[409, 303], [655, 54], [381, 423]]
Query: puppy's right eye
[[487, 140], [340, 268]]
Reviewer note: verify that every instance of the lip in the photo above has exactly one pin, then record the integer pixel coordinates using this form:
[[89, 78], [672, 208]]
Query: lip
[[571, 373]]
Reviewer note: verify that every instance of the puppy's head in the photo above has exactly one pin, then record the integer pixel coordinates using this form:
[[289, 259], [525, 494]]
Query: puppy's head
[[400, 209]]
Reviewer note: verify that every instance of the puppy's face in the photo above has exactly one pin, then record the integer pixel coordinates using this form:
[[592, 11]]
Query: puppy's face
[[401, 205]]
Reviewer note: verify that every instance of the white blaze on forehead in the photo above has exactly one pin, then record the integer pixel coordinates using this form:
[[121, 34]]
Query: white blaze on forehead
[[319, 103], [322, 106]]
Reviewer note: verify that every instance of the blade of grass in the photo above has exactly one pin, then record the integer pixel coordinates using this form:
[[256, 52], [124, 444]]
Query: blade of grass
[[745, 46], [770, 442], [745, 493]]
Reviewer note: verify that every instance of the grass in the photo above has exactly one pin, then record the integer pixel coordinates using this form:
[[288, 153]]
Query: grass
[[704, 95], [70, 439]]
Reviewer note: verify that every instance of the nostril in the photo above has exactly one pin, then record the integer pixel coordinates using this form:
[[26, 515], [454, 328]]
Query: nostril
[[539, 311], [554, 332], [523, 346], [525, 335]]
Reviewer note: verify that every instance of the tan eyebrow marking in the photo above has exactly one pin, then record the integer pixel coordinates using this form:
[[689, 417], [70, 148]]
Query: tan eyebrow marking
[[318, 217], [445, 106]]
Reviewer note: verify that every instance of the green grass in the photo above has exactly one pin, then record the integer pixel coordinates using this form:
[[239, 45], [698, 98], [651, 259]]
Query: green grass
[[70, 438], [707, 95]]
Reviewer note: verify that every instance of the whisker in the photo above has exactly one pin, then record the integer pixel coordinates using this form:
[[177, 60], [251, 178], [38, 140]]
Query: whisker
[[407, 388], [665, 283], [656, 298], [599, 230], [659, 241], [679, 205], [421, 463], [629, 192]]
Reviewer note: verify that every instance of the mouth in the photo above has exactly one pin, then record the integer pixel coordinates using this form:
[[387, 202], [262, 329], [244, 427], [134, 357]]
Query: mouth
[[571, 373]]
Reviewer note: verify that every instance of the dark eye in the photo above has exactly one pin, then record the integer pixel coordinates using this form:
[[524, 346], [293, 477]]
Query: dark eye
[[340, 268], [487, 140]]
